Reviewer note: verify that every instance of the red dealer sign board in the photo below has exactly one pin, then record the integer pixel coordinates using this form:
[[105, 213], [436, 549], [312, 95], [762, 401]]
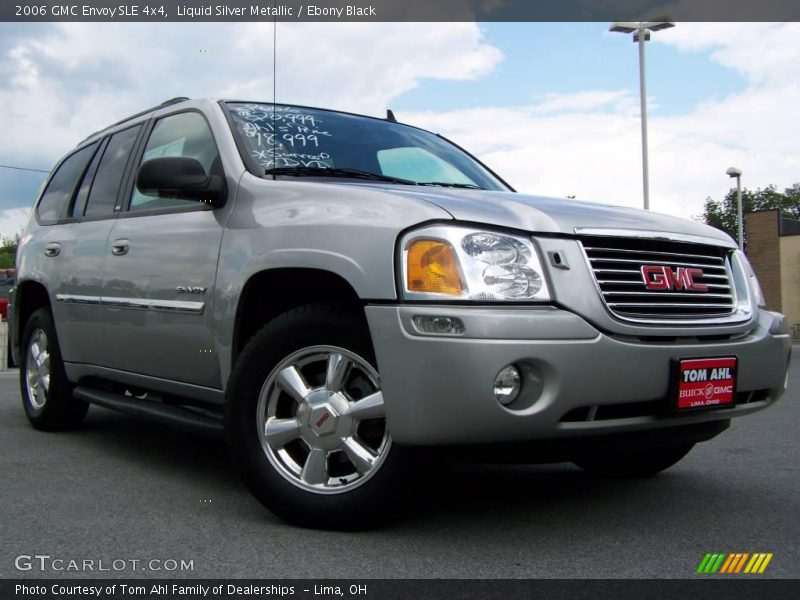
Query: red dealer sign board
[[706, 382]]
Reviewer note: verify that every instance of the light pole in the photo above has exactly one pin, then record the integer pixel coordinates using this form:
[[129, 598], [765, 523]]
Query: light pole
[[734, 172], [641, 33]]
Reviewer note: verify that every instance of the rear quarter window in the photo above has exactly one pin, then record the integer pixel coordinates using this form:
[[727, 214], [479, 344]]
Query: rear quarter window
[[61, 187], [104, 189]]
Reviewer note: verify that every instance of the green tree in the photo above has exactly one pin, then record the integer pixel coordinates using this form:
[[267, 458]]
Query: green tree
[[723, 214], [8, 251]]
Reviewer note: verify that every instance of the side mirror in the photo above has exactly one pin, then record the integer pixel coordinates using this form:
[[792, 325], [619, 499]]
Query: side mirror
[[180, 177]]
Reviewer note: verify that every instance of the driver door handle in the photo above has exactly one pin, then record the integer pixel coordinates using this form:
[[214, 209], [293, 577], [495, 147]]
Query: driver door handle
[[120, 247]]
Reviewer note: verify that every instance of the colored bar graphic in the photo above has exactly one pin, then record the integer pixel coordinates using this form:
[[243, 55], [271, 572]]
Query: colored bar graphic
[[765, 563], [752, 562], [726, 566], [757, 566], [711, 563], [741, 561], [703, 563], [719, 562]]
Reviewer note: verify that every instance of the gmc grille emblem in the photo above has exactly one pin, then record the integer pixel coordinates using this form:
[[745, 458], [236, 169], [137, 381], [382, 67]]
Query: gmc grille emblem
[[660, 277]]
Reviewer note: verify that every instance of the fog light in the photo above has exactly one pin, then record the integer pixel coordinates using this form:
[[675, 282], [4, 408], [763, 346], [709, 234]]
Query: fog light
[[507, 385], [439, 325]]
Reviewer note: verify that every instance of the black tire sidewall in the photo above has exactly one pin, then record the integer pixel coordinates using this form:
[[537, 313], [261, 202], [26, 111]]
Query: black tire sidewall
[[311, 325], [61, 410]]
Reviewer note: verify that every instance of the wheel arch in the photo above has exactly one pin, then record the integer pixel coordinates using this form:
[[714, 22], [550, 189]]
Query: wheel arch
[[29, 296], [268, 293]]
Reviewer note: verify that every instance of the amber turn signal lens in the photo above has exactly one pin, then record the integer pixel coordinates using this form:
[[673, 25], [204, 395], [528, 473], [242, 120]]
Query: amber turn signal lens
[[432, 267]]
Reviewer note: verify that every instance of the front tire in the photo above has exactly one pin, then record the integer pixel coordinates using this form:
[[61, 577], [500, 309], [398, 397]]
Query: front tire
[[46, 392], [306, 423], [630, 466]]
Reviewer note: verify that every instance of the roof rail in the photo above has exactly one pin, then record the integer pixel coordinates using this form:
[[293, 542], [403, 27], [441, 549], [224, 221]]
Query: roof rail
[[169, 102]]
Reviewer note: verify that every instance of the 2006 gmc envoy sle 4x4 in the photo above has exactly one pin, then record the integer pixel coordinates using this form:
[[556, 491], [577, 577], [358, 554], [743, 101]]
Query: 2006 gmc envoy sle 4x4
[[335, 292]]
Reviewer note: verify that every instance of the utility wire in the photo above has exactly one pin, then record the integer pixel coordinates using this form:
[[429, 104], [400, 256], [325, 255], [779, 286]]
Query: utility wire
[[23, 169]]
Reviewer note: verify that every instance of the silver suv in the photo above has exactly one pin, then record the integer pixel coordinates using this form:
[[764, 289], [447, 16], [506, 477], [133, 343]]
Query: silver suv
[[335, 292]]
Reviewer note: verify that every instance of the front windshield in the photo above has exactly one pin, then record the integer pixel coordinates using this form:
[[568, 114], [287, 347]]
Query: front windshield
[[285, 138]]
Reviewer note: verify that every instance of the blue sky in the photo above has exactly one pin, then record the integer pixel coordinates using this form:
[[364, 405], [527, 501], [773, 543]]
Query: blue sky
[[552, 107], [564, 58]]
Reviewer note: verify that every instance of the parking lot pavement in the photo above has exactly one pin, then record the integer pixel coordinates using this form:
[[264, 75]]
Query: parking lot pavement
[[125, 489]]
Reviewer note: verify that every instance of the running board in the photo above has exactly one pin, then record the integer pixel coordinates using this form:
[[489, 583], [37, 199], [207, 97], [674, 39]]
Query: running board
[[175, 416]]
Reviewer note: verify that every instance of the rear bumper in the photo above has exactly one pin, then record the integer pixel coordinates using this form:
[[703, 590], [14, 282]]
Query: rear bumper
[[438, 390]]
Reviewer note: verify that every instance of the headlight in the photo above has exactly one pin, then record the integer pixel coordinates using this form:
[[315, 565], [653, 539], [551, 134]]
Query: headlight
[[467, 264], [752, 279]]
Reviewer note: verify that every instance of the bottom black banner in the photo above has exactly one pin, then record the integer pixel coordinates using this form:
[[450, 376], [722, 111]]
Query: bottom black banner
[[401, 589]]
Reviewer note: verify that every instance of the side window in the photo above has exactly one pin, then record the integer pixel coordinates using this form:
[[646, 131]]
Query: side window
[[79, 205], [184, 134], [102, 198], [61, 186]]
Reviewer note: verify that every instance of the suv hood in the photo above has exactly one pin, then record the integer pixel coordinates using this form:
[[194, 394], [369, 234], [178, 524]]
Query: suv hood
[[550, 215]]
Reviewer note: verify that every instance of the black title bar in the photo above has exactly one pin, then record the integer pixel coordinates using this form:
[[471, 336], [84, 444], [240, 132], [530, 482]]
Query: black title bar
[[701, 588], [400, 10]]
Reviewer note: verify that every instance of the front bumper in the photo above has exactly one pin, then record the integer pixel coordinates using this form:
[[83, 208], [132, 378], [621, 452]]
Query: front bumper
[[439, 390]]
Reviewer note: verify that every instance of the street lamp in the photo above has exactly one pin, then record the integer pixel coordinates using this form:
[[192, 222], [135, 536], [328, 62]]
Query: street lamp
[[641, 33], [734, 172]]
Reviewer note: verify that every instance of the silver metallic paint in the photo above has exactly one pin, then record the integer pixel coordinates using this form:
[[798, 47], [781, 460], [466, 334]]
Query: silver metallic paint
[[437, 389]]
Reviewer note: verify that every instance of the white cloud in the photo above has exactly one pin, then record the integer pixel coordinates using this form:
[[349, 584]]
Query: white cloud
[[588, 144], [13, 220], [622, 101], [61, 82], [67, 80], [762, 52], [587, 154]]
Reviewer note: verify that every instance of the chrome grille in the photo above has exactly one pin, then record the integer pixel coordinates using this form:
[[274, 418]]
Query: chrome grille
[[617, 262]]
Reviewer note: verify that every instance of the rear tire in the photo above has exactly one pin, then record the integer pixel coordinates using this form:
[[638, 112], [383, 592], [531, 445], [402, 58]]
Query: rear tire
[[306, 425], [642, 464], [46, 392]]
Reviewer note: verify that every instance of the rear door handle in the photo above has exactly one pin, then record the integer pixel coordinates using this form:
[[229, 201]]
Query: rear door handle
[[120, 247], [52, 249]]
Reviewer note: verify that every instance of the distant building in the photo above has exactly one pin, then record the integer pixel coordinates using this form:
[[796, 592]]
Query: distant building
[[773, 247]]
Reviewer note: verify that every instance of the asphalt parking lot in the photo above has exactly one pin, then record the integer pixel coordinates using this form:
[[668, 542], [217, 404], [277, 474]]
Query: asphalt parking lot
[[122, 488]]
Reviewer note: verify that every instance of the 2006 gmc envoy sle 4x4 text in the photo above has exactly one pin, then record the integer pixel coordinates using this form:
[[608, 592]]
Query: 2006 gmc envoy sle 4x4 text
[[336, 292]]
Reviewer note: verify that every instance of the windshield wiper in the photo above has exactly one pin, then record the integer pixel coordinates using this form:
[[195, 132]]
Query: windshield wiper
[[466, 186], [335, 172]]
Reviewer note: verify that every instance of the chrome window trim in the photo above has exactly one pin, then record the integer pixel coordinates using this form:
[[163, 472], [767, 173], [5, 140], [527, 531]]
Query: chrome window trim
[[184, 306]]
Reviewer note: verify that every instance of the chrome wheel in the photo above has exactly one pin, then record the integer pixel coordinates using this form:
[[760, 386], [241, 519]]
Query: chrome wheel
[[321, 420], [37, 369]]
